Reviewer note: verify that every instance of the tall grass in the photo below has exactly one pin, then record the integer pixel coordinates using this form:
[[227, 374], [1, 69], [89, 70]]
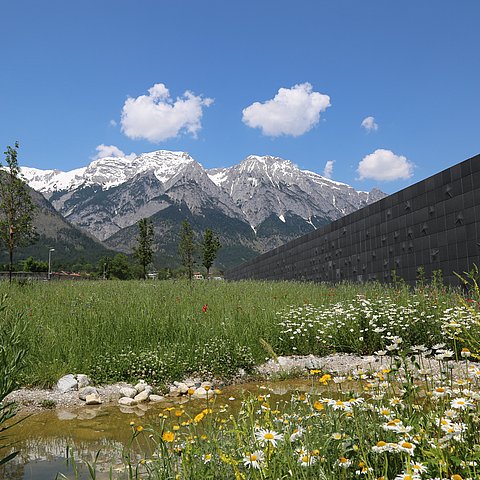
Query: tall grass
[[12, 358], [117, 330]]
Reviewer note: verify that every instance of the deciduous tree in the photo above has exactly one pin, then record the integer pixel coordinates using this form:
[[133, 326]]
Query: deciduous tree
[[16, 207], [33, 265], [144, 249], [120, 267], [210, 246]]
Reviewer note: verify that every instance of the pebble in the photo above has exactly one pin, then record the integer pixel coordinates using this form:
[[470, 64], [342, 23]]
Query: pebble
[[93, 399], [142, 396], [127, 401], [128, 392], [82, 394]]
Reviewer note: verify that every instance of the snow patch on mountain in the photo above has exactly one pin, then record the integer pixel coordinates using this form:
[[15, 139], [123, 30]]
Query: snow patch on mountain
[[53, 180], [109, 172]]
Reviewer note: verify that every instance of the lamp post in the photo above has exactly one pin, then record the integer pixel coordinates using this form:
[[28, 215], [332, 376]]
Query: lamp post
[[50, 262]]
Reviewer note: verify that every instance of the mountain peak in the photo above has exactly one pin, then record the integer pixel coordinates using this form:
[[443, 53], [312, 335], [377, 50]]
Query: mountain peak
[[267, 165], [264, 159], [109, 171]]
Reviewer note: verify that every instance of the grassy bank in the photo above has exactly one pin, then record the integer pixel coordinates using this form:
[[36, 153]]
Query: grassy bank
[[164, 330]]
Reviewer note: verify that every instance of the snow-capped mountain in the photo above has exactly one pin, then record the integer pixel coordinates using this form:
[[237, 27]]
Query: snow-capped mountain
[[108, 172], [264, 185], [258, 204]]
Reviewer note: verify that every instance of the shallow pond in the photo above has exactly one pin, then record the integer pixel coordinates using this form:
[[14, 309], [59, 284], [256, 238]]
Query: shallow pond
[[43, 437]]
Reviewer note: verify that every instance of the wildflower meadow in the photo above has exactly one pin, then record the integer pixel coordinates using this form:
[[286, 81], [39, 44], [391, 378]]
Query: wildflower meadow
[[414, 414]]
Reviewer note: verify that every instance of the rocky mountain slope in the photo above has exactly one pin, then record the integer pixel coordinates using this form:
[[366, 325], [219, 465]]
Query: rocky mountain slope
[[262, 186], [71, 244], [254, 206]]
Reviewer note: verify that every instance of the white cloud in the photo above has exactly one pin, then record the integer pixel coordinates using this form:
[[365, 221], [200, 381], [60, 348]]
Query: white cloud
[[328, 170], [293, 111], [112, 123], [157, 117], [385, 165], [111, 151], [369, 124]]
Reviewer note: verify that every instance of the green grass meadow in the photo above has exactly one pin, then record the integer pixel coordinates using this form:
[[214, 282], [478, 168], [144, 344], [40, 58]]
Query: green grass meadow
[[164, 330], [414, 417]]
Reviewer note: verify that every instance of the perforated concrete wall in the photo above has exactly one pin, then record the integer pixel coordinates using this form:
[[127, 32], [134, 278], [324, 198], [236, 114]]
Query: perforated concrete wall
[[434, 224]]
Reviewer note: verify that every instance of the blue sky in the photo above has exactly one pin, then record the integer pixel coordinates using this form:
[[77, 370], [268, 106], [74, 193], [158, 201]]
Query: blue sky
[[70, 68]]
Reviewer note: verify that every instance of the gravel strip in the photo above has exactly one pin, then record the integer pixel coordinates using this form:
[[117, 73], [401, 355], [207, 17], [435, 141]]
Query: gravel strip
[[31, 400]]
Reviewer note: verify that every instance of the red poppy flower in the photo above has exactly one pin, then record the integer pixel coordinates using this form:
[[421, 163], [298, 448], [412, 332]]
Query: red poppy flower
[[204, 308]]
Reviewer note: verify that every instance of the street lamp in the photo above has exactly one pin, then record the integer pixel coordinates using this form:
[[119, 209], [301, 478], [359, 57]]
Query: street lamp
[[50, 262]]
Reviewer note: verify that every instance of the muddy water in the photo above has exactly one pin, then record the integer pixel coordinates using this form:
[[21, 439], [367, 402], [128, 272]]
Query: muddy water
[[43, 437]]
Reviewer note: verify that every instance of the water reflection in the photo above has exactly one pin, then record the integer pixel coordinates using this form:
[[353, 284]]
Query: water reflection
[[43, 438]]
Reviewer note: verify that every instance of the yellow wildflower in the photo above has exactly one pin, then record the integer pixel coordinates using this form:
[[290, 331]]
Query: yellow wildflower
[[168, 436]]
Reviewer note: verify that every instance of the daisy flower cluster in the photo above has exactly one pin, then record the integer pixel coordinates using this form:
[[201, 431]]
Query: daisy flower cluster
[[407, 421], [361, 326]]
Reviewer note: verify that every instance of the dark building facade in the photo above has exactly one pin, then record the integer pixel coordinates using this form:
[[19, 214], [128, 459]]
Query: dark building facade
[[434, 224]]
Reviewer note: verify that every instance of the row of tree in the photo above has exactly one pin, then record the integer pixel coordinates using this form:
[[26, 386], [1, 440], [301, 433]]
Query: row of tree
[[187, 247]]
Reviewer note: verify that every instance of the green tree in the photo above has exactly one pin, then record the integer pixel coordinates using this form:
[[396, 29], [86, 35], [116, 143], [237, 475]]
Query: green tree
[[16, 207], [120, 267], [32, 265], [187, 248], [210, 246], [144, 250]]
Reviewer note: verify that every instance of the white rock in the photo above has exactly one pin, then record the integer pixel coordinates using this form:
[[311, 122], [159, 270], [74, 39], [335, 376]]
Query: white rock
[[82, 394], [156, 398], [127, 401], [128, 392], [200, 392], [67, 383], [140, 386], [82, 380], [142, 396], [93, 399], [182, 388]]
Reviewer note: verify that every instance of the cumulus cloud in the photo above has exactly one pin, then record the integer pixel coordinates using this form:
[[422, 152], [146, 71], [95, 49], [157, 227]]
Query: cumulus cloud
[[157, 117], [328, 170], [293, 111], [385, 165], [369, 124], [112, 123], [111, 151]]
